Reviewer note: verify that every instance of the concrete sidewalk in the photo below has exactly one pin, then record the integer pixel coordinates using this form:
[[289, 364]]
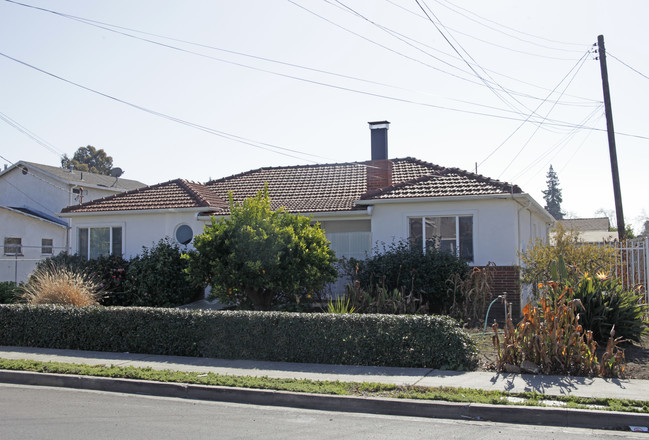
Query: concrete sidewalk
[[634, 389]]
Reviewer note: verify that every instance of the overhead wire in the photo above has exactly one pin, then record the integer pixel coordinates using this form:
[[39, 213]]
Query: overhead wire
[[348, 89], [539, 126], [411, 42], [608, 53], [30, 134], [487, 42], [559, 145], [498, 95], [505, 33], [538, 107]]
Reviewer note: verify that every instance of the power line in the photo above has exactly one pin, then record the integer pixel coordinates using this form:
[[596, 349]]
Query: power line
[[505, 33], [410, 42], [469, 55], [636, 71], [490, 43], [539, 126], [539, 106], [30, 134], [93, 23]]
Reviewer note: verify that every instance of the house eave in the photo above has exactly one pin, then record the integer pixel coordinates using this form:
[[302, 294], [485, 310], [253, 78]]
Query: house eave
[[134, 212], [34, 217], [435, 199]]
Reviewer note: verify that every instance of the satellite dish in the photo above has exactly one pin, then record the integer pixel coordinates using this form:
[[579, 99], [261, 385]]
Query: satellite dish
[[116, 172]]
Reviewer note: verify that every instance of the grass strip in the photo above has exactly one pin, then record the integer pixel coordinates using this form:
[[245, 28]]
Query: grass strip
[[364, 389]]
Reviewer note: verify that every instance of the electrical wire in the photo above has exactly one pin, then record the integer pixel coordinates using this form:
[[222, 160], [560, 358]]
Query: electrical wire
[[490, 43], [505, 33], [539, 106], [91, 23], [411, 42], [472, 59], [608, 53], [539, 126], [34, 137]]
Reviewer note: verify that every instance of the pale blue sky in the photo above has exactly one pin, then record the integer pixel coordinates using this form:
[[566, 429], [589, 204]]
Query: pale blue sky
[[526, 47]]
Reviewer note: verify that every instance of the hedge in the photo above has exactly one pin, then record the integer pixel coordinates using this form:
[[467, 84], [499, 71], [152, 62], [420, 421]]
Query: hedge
[[349, 339]]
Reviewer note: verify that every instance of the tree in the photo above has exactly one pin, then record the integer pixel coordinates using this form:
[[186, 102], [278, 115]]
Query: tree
[[89, 159], [262, 258], [552, 195], [579, 256]]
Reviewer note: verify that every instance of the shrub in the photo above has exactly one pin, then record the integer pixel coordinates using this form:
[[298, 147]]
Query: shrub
[[108, 272], [157, 277], [471, 294], [261, 257], [603, 305], [380, 300], [57, 285], [407, 269], [582, 257], [549, 338], [9, 292], [351, 339]]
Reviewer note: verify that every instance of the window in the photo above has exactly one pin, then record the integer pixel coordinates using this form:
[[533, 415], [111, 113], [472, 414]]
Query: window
[[13, 246], [452, 234], [47, 246], [184, 234], [95, 242]]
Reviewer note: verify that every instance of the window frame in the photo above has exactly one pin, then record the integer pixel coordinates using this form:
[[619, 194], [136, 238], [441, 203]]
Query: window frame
[[50, 246], [87, 254], [423, 217], [18, 247]]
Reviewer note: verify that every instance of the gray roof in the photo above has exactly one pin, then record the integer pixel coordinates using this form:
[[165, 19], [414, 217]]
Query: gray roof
[[85, 178], [586, 224]]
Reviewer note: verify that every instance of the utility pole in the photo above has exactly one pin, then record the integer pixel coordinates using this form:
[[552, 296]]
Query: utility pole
[[611, 139]]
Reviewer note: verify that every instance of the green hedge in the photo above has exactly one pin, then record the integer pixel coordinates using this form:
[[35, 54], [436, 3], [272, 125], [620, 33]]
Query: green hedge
[[382, 340]]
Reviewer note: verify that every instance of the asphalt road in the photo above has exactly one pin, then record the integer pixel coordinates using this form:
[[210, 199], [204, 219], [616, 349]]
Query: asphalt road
[[28, 412]]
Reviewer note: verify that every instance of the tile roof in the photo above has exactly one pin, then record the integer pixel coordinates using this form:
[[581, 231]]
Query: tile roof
[[86, 178], [586, 224], [305, 188], [444, 182], [175, 194]]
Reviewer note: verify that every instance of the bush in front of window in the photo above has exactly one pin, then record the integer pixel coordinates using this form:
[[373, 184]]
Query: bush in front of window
[[349, 339], [157, 277], [407, 269]]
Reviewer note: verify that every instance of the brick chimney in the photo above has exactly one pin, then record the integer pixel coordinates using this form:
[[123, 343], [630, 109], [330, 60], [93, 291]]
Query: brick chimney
[[379, 169]]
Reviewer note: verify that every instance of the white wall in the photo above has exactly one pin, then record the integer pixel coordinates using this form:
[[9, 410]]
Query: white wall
[[494, 225], [31, 231], [138, 229]]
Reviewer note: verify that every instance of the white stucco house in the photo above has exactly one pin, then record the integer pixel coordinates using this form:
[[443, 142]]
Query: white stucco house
[[358, 204], [31, 197]]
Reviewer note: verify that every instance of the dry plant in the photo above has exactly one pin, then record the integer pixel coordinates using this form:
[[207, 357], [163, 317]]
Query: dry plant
[[471, 294], [550, 340], [54, 284]]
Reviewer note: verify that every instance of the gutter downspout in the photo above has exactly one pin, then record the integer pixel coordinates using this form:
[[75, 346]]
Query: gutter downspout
[[518, 228]]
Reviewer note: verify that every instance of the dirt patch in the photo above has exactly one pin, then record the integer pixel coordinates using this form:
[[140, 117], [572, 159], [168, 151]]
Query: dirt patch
[[636, 355]]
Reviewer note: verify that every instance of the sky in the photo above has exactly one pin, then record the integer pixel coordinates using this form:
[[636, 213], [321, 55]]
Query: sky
[[204, 89]]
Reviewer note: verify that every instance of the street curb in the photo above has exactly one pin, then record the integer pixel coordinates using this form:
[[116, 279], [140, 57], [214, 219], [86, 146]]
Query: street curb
[[387, 406]]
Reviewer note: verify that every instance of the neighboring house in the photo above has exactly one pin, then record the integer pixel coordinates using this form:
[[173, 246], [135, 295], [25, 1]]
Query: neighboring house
[[31, 196], [591, 230], [358, 204]]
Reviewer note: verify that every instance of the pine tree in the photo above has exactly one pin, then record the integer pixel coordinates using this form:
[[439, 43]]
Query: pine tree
[[552, 195]]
